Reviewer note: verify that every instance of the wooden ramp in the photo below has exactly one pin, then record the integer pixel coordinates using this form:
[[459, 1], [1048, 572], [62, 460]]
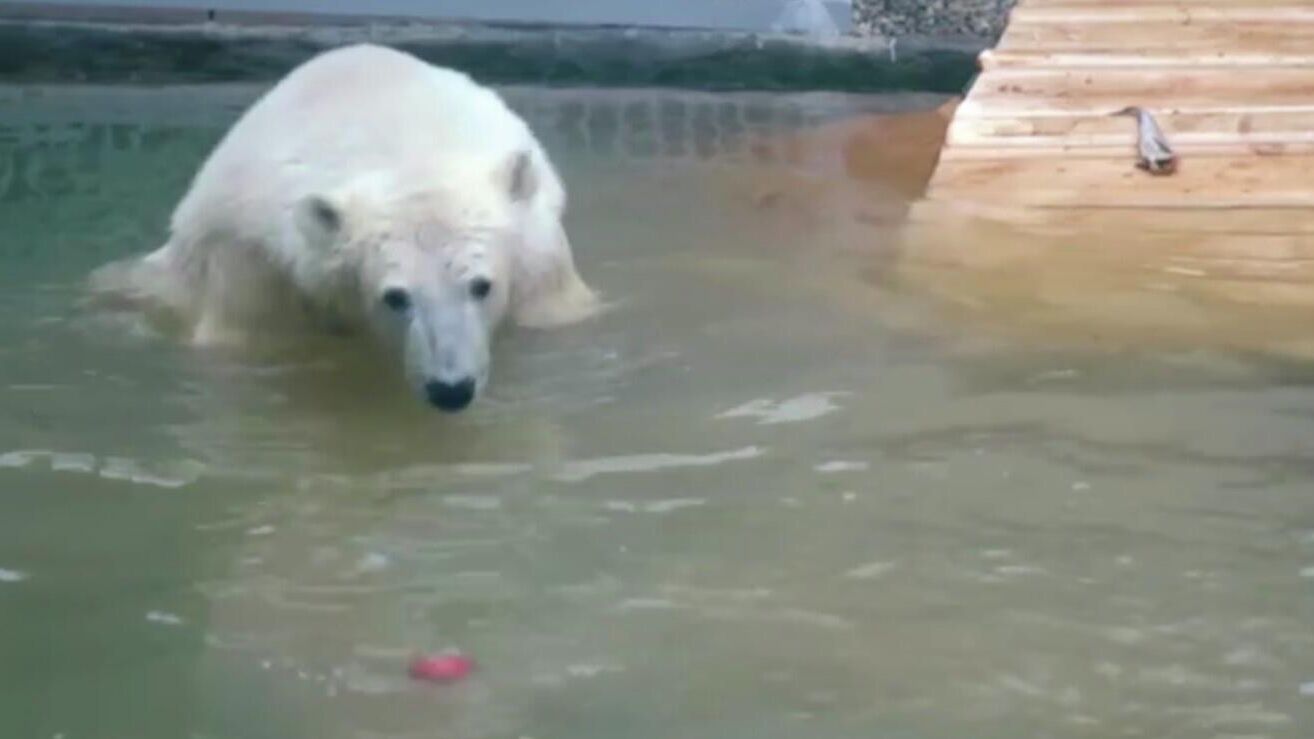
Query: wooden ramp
[[1037, 179]]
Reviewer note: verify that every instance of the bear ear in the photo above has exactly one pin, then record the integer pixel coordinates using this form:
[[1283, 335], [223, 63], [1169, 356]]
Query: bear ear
[[319, 218], [519, 176], [546, 290]]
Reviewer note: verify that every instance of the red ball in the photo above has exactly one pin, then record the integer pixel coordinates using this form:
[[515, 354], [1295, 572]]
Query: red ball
[[442, 668]]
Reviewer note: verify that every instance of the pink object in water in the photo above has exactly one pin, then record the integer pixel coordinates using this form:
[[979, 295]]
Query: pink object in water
[[442, 668]]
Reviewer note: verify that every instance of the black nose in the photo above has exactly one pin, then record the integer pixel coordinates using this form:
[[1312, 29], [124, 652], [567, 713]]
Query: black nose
[[448, 396]]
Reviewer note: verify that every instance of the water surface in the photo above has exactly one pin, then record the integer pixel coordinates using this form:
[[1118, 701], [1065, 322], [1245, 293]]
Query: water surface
[[743, 503]]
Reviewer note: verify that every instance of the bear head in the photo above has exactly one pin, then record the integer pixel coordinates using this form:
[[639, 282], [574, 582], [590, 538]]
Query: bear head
[[435, 264]]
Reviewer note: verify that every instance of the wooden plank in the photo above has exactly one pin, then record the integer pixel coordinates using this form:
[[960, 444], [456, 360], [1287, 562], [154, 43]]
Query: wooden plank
[[1202, 183], [1115, 136], [1117, 259], [1160, 59], [1195, 5], [1185, 257], [975, 138], [1138, 36], [1117, 284], [1227, 12], [1265, 127], [1037, 219], [1058, 148], [1200, 89], [1240, 221]]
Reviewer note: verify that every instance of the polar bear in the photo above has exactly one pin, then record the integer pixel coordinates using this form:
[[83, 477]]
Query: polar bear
[[369, 189]]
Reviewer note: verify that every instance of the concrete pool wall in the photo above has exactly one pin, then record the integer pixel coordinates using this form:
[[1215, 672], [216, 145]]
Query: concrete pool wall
[[733, 15], [888, 18], [168, 52], [749, 45]]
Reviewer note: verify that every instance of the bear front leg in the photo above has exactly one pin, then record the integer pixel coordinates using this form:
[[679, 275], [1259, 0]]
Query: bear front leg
[[213, 331]]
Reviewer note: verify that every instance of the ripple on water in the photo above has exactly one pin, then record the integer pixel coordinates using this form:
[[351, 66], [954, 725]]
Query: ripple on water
[[791, 410], [581, 470], [473, 502], [7, 575], [169, 474], [654, 506], [164, 618], [839, 465], [871, 570], [737, 613]]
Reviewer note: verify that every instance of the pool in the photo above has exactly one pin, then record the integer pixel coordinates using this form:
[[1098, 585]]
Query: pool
[[748, 501]]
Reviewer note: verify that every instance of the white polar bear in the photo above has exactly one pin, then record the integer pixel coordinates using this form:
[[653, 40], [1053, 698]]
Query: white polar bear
[[370, 189]]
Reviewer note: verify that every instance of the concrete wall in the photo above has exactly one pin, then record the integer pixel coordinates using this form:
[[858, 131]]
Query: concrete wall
[[743, 15], [976, 19], [690, 44], [182, 48]]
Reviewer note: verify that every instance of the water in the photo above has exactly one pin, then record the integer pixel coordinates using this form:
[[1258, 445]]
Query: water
[[748, 501]]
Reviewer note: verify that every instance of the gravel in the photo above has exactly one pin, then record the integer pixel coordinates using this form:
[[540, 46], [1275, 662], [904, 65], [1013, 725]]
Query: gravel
[[983, 19]]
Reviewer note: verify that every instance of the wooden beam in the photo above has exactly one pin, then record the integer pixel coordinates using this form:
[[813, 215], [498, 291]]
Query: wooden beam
[[1197, 89], [1162, 39], [1277, 126], [1241, 221], [1202, 183]]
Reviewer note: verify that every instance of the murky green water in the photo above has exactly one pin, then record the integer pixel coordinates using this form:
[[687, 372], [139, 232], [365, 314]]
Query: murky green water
[[738, 505]]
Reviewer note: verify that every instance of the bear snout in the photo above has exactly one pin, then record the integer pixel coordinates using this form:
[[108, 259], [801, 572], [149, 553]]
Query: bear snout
[[448, 396]]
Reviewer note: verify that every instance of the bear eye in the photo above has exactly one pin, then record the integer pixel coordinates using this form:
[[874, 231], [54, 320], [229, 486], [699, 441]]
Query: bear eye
[[397, 299], [480, 288]]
